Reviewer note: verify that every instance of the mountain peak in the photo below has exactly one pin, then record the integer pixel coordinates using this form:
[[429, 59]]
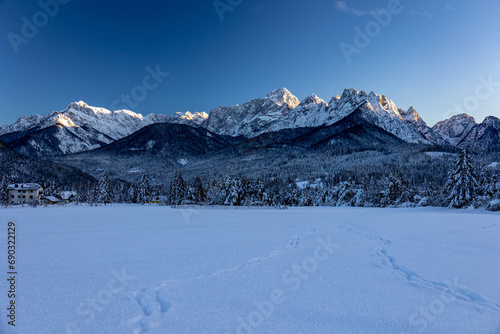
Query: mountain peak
[[349, 92], [367, 105], [84, 108], [313, 99], [78, 105], [491, 119], [455, 128], [283, 96], [410, 115], [460, 118], [193, 119]]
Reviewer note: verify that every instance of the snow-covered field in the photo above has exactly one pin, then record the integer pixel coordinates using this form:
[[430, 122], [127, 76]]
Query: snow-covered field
[[133, 269]]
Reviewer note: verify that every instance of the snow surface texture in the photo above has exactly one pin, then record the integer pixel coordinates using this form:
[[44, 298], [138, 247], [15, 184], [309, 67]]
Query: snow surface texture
[[132, 269]]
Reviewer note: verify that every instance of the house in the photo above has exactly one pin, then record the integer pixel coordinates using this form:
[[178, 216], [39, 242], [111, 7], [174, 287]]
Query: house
[[162, 200], [24, 193], [67, 196], [50, 200]]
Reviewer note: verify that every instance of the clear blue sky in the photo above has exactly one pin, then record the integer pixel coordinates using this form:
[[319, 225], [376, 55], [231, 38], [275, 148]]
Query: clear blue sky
[[430, 55]]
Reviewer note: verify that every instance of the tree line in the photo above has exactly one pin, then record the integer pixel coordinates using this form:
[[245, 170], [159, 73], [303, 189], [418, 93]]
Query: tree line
[[464, 187]]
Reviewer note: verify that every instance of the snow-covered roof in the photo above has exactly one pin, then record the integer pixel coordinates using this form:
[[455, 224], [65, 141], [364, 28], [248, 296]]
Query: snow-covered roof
[[51, 198], [67, 194], [24, 186]]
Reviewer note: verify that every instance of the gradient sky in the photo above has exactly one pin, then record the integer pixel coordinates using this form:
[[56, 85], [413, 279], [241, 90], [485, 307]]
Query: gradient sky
[[431, 55]]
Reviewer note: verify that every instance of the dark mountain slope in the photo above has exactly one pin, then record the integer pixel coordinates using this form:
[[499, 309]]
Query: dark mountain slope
[[168, 140], [354, 133], [21, 168]]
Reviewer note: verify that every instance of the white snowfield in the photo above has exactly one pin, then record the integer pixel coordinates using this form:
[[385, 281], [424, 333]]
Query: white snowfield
[[151, 269]]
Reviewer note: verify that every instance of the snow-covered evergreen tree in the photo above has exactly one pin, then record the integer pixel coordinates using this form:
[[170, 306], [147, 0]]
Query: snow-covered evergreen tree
[[495, 180], [259, 192], [212, 191], [144, 193], [233, 193], [199, 192], [132, 194], [345, 194], [397, 191], [4, 195], [306, 197], [93, 194], [359, 198], [51, 189], [486, 185], [82, 192], [105, 189], [462, 185], [178, 189], [236, 188], [291, 196], [121, 194]]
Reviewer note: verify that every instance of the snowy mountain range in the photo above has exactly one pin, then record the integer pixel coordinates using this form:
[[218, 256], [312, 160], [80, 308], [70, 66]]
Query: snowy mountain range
[[463, 131], [81, 127], [78, 128], [280, 109]]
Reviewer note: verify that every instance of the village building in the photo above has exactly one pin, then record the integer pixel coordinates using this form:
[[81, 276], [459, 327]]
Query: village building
[[162, 200], [24, 193], [51, 200], [67, 196]]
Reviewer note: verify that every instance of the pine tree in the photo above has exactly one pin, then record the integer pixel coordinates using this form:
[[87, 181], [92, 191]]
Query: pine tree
[[486, 186], [397, 191], [144, 194], [199, 193], [233, 190], [306, 197], [359, 199], [105, 189], [291, 196], [82, 193], [132, 194], [94, 194], [120, 198], [4, 195], [51, 190], [495, 180], [260, 192], [345, 194], [178, 189], [236, 191], [462, 185]]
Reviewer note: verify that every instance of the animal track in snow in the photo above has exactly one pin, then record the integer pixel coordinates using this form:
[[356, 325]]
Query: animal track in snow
[[459, 292], [369, 236], [294, 243], [154, 305]]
